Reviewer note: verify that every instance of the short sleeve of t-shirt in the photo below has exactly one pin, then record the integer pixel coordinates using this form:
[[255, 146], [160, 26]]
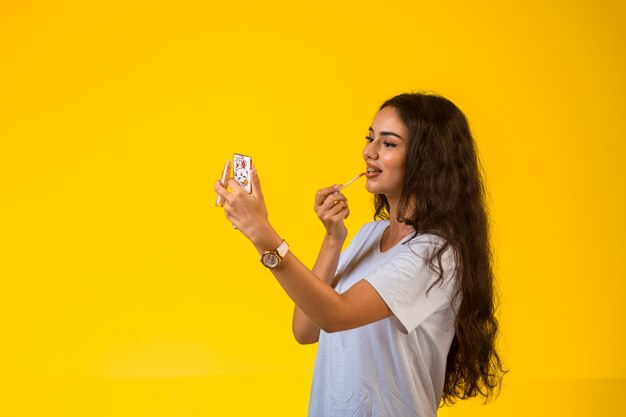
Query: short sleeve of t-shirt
[[403, 282]]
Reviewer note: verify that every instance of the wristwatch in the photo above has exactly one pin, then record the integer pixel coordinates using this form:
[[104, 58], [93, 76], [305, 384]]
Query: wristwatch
[[272, 258]]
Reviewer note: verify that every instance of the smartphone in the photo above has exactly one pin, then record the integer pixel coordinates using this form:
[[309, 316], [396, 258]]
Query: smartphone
[[242, 165]]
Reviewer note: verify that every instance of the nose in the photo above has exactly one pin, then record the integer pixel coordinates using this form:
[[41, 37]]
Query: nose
[[370, 152]]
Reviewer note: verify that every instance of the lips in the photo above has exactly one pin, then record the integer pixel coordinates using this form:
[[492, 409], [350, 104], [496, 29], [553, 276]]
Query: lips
[[372, 171], [373, 168]]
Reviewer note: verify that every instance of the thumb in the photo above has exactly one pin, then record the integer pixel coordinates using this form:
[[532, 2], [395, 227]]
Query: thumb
[[256, 184]]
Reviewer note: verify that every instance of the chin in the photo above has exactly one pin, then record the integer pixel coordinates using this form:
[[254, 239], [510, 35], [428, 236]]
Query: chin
[[372, 189]]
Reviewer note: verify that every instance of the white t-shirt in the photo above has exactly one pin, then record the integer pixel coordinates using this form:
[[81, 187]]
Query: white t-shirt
[[394, 367]]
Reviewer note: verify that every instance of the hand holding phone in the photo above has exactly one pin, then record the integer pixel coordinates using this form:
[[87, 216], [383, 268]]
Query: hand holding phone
[[242, 166]]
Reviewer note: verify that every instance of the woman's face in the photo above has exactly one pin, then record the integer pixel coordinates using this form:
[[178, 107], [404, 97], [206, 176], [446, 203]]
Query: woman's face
[[385, 154]]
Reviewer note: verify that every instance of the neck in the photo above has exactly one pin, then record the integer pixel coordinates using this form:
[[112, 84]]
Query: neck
[[396, 228]]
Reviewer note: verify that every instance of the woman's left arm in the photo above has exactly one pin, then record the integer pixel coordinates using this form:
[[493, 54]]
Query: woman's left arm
[[331, 311]]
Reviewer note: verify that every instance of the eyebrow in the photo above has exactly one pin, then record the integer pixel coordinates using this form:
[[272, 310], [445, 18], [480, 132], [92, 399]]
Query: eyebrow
[[387, 134]]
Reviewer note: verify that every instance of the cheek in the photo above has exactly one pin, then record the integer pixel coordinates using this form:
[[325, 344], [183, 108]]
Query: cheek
[[399, 168]]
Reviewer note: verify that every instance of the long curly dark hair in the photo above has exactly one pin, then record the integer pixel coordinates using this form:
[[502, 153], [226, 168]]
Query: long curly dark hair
[[443, 194]]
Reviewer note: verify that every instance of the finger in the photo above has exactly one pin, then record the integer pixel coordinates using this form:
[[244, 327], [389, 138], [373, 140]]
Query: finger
[[321, 195], [336, 209], [235, 187], [221, 190], [333, 200], [330, 206], [256, 184], [342, 215], [330, 202], [226, 172]]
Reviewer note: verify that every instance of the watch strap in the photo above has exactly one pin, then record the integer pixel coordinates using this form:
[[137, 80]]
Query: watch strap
[[283, 249]]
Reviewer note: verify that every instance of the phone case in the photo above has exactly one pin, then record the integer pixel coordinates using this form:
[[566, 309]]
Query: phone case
[[242, 165]]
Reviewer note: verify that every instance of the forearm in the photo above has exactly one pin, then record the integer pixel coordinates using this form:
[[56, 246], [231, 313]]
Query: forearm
[[316, 299], [304, 329], [313, 296], [327, 259]]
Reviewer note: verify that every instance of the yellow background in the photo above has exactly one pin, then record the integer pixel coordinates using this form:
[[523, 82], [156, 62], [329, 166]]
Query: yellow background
[[124, 292]]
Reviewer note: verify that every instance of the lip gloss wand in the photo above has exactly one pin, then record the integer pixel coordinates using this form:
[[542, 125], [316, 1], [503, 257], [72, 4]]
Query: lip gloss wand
[[351, 181]]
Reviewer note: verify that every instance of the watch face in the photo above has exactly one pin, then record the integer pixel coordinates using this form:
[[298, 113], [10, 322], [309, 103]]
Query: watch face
[[270, 260]]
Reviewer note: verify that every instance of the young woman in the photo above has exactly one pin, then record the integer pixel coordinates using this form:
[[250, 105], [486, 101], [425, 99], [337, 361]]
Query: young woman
[[404, 316]]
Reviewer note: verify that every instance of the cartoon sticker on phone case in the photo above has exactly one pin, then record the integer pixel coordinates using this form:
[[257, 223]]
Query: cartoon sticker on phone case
[[241, 172]]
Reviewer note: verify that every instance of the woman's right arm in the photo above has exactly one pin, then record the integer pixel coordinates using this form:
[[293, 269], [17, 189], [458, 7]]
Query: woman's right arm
[[332, 208]]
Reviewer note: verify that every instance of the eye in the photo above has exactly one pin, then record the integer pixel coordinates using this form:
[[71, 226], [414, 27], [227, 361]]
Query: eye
[[368, 138], [389, 145]]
